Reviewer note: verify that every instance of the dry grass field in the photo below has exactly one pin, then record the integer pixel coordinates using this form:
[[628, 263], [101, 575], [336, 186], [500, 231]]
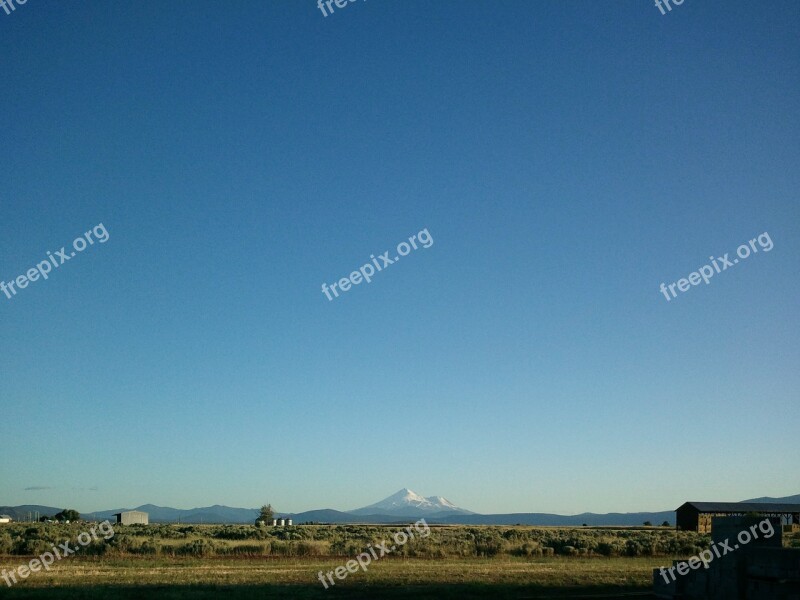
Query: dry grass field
[[206, 578], [241, 561], [191, 561]]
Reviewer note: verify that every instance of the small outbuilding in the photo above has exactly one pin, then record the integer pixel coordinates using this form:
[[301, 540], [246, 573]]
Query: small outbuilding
[[132, 517], [5, 519]]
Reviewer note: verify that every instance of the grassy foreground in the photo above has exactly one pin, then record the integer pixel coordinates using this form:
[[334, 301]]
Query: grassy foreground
[[178, 562], [207, 578]]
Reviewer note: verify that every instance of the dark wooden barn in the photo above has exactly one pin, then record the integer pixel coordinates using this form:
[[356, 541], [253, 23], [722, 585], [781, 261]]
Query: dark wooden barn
[[696, 516]]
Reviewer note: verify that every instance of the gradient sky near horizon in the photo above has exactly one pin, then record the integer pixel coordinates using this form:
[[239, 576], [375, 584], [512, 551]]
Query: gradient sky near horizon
[[566, 157]]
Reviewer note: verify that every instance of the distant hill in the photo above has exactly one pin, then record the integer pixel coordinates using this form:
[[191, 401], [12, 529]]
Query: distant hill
[[226, 514], [325, 515], [20, 513], [547, 519], [328, 515], [403, 507], [338, 517], [785, 500], [208, 514]]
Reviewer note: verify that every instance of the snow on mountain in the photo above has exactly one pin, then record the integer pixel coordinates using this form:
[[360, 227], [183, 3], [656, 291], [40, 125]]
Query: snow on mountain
[[408, 503], [442, 501]]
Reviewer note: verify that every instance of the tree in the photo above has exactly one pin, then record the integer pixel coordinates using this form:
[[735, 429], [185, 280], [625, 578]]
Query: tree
[[266, 515], [665, 524], [68, 514], [648, 524]]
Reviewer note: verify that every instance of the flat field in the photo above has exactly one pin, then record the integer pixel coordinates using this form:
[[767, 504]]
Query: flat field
[[241, 561], [207, 578]]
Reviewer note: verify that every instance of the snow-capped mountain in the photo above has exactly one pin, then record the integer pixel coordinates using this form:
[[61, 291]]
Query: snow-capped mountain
[[408, 503]]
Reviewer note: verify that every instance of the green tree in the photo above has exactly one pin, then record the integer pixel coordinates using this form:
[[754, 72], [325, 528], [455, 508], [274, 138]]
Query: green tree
[[665, 524], [68, 514], [266, 515], [648, 524]]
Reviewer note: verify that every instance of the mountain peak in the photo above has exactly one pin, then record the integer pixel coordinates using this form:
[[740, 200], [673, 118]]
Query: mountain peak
[[441, 500], [407, 494], [408, 503]]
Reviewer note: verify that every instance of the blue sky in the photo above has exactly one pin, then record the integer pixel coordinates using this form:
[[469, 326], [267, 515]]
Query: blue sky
[[566, 157]]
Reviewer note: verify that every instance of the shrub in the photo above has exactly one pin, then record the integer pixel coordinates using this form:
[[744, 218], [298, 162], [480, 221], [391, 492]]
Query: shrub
[[200, 547], [237, 533], [488, 548], [605, 549], [31, 547], [351, 540], [6, 544], [281, 548], [247, 549], [633, 548], [525, 549], [313, 548], [149, 548], [95, 548]]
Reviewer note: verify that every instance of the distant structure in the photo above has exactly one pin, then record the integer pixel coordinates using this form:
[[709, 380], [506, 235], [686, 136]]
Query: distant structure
[[5, 519], [281, 522], [132, 517], [696, 516]]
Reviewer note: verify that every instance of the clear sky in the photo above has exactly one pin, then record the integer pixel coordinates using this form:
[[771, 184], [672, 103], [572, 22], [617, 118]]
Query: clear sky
[[565, 157]]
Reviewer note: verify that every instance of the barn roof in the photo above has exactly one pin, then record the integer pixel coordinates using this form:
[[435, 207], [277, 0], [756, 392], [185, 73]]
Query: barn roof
[[740, 507]]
